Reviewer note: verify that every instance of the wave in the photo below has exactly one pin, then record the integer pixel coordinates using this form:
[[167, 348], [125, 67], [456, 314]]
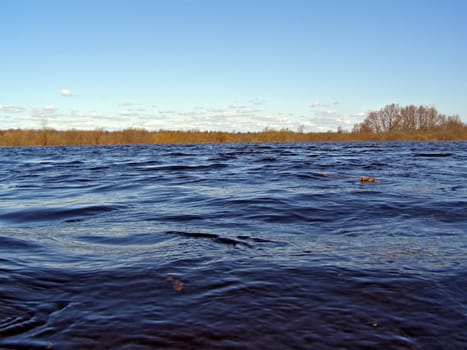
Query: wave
[[45, 214], [433, 155]]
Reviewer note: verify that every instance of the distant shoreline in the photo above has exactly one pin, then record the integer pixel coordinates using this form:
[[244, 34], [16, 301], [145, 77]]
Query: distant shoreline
[[52, 137]]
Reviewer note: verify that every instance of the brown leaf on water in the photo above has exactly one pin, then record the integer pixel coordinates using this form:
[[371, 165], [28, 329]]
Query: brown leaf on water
[[367, 179], [177, 285]]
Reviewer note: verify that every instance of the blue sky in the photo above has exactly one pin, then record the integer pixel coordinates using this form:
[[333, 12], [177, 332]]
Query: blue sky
[[233, 65]]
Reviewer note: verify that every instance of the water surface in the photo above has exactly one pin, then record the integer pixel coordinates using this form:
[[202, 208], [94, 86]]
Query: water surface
[[238, 246]]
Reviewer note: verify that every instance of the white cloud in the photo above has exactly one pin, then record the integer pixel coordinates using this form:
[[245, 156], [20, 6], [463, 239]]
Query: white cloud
[[324, 105], [256, 101], [193, 113], [128, 113], [359, 114], [327, 114], [66, 92], [234, 116], [218, 110], [50, 109], [236, 107], [328, 119], [44, 112], [11, 109], [248, 111], [344, 121]]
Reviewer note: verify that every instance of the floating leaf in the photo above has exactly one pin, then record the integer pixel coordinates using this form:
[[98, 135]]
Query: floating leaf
[[177, 285], [367, 179]]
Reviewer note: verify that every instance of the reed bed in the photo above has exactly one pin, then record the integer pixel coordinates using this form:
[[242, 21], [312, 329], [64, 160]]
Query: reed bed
[[52, 137]]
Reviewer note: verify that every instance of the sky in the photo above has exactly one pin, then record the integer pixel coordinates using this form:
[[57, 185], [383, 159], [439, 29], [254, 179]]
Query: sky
[[227, 65]]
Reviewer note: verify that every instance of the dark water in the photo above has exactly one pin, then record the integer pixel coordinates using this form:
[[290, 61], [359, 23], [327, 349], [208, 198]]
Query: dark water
[[246, 246]]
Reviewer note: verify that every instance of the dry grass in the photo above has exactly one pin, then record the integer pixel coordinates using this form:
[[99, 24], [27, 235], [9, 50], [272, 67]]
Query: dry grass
[[52, 137]]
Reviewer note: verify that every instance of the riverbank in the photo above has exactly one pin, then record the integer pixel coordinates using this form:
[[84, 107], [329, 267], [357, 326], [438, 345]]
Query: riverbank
[[52, 137]]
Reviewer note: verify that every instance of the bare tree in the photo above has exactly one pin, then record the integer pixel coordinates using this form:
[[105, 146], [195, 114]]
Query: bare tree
[[410, 118]]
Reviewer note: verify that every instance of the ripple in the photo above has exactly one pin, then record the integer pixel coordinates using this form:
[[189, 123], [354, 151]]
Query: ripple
[[52, 214], [211, 236], [234, 246], [433, 155]]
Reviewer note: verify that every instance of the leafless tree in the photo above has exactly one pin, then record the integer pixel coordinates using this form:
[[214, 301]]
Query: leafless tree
[[407, 119]]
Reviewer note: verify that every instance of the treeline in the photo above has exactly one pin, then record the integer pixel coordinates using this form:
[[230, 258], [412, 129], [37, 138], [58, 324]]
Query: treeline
[[408, 119]]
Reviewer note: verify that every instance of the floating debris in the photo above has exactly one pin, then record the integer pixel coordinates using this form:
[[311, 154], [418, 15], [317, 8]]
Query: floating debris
[[325, 174], [367, 179], [177, 285]]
